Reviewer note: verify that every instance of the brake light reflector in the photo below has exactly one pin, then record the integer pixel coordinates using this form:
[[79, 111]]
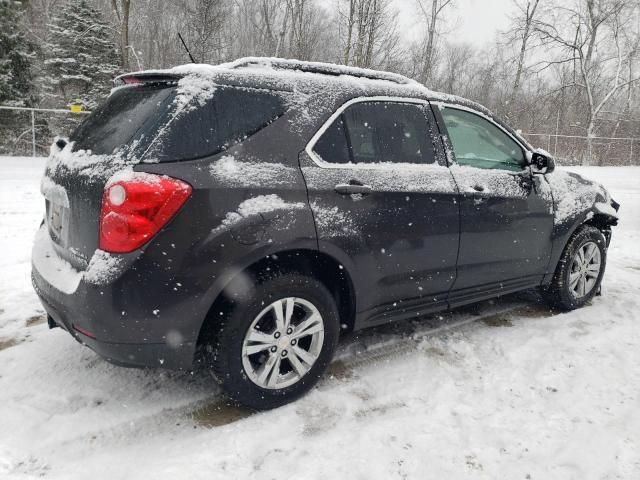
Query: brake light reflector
[[84, 332], [131, 80], [136, 207]]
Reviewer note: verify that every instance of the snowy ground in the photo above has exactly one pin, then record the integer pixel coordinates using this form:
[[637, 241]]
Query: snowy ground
[[506, 390]]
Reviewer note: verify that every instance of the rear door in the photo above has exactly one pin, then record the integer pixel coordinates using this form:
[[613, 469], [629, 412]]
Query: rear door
[[506, 224], [385, 204]]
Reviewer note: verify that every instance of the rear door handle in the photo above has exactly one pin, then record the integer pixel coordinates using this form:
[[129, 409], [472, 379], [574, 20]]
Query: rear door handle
[[477, 188], [353, 189]]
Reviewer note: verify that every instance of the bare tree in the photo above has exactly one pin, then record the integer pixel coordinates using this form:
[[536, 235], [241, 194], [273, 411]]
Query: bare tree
[[371, 36], [121, 10], [522, 31], [432, 12], [204, 21], [589, 34], [455, 69], [567, 66]]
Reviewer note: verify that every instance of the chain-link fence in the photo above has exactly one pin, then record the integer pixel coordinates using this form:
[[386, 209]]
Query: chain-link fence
[[30, 131], [577, 150]]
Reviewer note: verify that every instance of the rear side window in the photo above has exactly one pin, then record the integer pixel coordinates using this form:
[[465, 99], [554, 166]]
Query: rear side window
[[143, 119], [230, 116], [378, 132]]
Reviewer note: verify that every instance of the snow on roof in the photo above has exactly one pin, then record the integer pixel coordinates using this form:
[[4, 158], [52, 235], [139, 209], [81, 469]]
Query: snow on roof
[[295, 71], [271, 65], [319, 77], [279, 64]]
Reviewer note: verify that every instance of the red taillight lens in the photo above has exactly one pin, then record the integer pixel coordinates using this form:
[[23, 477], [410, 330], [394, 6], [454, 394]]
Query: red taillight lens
[[131, 80], [135, 208]]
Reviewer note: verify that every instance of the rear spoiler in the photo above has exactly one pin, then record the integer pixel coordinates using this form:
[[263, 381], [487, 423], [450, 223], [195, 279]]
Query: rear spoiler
[[139, 78]]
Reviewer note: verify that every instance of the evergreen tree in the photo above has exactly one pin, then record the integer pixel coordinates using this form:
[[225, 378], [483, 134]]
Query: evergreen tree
[[16, 84], [81, 60]]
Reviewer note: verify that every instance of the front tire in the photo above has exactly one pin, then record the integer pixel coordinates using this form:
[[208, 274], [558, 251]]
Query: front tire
[[276, 341], [580, 270]]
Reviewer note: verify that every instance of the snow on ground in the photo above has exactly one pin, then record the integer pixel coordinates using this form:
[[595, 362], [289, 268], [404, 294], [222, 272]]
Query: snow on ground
[[505, 390]]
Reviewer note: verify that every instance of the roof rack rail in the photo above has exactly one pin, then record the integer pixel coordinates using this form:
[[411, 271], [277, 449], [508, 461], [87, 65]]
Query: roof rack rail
[[316, 67]]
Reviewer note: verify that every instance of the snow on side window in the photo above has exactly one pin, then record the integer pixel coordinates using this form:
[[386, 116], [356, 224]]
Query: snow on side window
[[212, 120], [479, 143]]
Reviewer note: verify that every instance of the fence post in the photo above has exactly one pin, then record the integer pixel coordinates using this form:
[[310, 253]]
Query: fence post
[[555, 146], [33, 132]]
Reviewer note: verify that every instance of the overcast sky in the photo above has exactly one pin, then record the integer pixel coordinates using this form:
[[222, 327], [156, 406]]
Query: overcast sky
[[474, 21]]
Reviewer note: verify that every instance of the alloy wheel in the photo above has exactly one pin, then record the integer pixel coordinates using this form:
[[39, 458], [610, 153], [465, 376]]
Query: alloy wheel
[[283, 343], [585, 270]]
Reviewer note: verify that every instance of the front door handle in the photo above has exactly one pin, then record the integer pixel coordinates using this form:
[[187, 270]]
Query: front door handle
[[526, 182], [353, 189]]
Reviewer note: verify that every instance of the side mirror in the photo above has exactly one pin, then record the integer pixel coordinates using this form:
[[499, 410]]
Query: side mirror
[[542, 162]]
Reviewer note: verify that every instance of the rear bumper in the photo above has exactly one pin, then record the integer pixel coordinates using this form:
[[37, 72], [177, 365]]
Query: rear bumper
[[121, 331], [131, 355]]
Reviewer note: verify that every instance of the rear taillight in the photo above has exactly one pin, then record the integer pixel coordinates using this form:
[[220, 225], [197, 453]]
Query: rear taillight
[[136, 207]]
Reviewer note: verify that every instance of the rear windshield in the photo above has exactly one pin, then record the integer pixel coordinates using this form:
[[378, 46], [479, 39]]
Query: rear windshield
[[128, 114], [147, 123]]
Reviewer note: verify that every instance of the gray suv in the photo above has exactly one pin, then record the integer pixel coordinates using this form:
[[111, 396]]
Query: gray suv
[[240, 216]]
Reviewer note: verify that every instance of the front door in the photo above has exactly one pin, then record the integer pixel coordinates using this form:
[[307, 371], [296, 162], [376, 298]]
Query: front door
[[505, 223], [385, 204]]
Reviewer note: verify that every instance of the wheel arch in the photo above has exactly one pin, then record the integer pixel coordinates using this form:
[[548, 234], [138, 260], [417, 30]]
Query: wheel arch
[[592, 217], [603, 222], [328, 270]]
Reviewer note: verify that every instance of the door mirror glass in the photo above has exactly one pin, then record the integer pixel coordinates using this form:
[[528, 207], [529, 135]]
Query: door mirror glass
[[542, 163]]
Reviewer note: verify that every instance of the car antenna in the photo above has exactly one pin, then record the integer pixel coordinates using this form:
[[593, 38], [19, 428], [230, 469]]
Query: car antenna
[[186, 48]]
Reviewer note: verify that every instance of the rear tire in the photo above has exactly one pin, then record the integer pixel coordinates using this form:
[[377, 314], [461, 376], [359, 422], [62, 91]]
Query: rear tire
[[275, 341], [580, 269]]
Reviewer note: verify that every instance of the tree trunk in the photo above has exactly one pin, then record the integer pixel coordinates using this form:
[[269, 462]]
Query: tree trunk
[[124, 34], [347, 50], [427, 69], [121, 9]]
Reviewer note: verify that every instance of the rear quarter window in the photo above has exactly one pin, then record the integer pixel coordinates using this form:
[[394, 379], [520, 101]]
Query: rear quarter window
[[146, 124], [230, 116]]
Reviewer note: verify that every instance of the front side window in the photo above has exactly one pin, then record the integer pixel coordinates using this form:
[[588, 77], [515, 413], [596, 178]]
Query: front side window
[[479, 143], [378, 132]]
